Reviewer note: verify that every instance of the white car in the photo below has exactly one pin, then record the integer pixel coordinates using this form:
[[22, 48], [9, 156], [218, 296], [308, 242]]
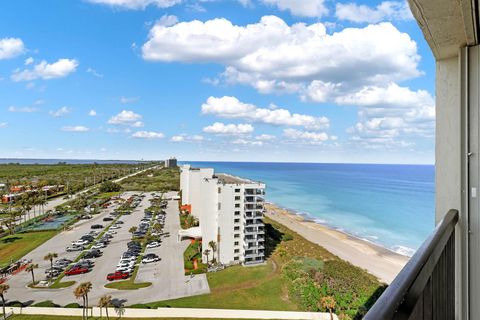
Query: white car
[[114, 227], [125, 269], [99, 245], [79, 243], [126, 264], [150, 260], [129, 259], [111, 231], [154, 244]]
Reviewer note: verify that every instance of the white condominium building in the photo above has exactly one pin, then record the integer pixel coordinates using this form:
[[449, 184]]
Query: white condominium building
[[230, 213]]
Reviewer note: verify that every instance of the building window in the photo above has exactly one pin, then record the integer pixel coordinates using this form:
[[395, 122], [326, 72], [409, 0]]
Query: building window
[[237, 213], [237, 190], [236, 235], [219, 190], [236, 243], [237, 205], [237, 198], [235, 258], [236, 229], [237, 220], [237, 250]]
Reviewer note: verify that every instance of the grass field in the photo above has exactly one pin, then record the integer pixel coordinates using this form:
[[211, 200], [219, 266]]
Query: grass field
[[162, 179], [127, 285], [16, 246]]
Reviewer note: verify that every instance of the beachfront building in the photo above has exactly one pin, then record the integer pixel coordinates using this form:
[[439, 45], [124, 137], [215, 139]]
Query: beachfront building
[[171, 163], [230, 212]]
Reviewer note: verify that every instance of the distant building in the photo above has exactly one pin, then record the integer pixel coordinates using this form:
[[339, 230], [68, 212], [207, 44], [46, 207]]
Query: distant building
[[230, 211], [171, 163]]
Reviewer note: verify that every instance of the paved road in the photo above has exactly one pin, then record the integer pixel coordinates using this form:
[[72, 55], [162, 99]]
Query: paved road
[[168, 280]]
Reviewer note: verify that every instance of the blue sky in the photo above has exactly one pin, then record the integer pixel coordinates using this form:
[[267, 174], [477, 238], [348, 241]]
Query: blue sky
[[235, 80]]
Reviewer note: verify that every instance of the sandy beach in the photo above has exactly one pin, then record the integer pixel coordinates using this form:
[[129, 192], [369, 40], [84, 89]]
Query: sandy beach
[[381, 262]]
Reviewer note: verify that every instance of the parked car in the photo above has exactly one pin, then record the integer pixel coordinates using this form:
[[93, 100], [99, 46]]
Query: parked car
[[108, 219], [146, 260], [99, 245], [95, 253], [153, 244], [114, 227], [74, 248], [76, 270], [118, 275], [96, 226], [79, 242]]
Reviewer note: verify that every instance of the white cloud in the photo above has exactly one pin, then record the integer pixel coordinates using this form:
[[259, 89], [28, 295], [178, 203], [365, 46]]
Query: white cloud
[[148, 135], [11, 47], [3, 124], [302, 8], [272, 56], [231, 107], [128, 118], [92, 113], [385, 11], [94, 73], [22, 109], [75, 129], [167, 20], [46, 71], [305, 136], [29, 61], [265, 137], [60, 112], [128, 100], [229, 129], [247, 142], [186, 138], [137, 4]]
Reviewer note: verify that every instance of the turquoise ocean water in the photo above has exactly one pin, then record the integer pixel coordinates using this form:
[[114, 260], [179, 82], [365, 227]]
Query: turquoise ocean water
[[391, 205]]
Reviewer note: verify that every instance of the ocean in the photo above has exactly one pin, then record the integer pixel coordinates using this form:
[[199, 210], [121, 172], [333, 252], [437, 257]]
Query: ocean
[[390, 205]]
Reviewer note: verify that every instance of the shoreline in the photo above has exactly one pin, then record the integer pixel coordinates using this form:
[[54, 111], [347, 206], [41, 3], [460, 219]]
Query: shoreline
[[381, 262]]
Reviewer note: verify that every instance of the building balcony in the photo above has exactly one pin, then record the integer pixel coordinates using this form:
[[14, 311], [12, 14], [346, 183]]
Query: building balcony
[[253, 207], [425, 288], [254, 246], [255, 192], [255, 254]]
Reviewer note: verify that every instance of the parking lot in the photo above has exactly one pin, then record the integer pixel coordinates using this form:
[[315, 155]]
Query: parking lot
[[167, 275]]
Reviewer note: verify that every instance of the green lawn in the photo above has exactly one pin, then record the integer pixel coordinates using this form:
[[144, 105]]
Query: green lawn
[[153, 180], [127, 285], [16, 246], [107, 195]]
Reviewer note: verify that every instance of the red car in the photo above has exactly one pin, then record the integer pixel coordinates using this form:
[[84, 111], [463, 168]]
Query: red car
[[76, 270], [118, 275]]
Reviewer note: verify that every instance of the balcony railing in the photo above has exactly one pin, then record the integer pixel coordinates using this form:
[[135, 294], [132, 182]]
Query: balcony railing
[[425, 288]]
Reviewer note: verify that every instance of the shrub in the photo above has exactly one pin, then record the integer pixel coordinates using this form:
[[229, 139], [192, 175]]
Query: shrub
[[46, 304], [287, 237], [73, 305], [109, 186]]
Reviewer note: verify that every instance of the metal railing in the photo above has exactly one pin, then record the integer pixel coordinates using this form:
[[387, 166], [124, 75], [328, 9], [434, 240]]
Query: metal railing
[[425, 288]]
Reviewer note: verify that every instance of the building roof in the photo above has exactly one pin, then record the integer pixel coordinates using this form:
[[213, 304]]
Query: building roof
[[229, 179]]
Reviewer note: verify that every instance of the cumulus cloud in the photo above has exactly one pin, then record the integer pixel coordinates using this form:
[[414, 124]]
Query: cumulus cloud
[[265, 137], [247, 142], [148, 135], [29, 61], [11, 47], [231, 107], [187, 138], [94, 73], [305, 136], [59, 69], [127, 118], [92, 113], [229, 129], [75, 129], [272, 56], [22, 109], [3, 124], [302, 8], [385, 11], [137, 4], [59, 112]]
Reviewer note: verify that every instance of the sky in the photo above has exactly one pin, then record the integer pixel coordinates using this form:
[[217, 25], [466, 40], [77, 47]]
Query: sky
[[216, 80]]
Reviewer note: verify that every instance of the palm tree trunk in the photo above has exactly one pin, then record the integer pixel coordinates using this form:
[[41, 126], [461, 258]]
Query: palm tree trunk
[[83, 309], [86, 299], [33, 277], [106, 311]]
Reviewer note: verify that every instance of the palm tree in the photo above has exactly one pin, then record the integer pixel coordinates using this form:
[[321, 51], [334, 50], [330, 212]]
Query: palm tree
[[30, 269], [105, 302], [328, 303], [3, 289], [79, 292], [87, 287], [132, 230], [206, 252], [213, 245], [50, 257]]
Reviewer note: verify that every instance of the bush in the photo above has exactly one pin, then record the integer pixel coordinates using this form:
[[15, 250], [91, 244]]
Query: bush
[[109, 186], [140, 306], [15, 304], [287, 237], [46, 304], [73, 305]]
